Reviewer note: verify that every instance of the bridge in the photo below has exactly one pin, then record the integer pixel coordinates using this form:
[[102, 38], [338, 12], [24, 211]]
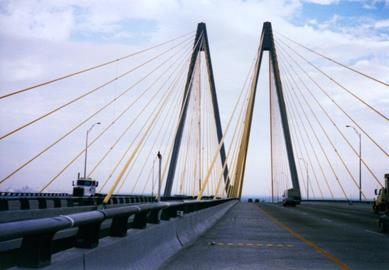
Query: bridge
[[165, 188]]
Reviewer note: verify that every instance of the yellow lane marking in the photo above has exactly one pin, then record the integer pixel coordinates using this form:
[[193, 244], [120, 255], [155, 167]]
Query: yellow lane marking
[[251, 244], [307, 242]]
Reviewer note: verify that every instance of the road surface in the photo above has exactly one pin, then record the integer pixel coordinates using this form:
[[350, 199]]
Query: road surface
[[309, 236]]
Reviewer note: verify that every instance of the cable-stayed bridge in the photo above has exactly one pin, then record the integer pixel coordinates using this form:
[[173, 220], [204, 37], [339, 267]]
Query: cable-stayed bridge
[[158, 172]]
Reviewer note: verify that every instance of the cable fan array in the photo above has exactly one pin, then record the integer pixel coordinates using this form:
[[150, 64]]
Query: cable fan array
[[163, 100], [322, 101]]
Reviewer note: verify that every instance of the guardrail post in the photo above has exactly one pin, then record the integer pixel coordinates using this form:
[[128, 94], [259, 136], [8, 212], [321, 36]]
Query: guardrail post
[[88, 235], [169, 212], [140, 220], [119, 226], [36, 251], [3, 204], [154, 216], [57, 202], [42, 203], [24, 204]]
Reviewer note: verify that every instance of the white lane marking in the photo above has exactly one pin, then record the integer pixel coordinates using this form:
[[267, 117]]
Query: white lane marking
[[376, 233]]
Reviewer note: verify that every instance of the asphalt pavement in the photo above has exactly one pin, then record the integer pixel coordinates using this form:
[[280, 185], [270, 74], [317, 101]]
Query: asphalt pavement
[[309, 236]]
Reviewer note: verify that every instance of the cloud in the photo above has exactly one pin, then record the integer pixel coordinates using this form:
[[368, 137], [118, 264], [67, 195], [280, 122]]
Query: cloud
[[382, 24], [35, 19], [374, 4], [322, 2]]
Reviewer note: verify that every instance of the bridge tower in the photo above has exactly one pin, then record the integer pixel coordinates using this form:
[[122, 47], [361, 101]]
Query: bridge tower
[[200, 45], [266, 44]]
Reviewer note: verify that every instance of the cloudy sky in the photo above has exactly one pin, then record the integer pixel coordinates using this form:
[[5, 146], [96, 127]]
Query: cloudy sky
[[41, 40]]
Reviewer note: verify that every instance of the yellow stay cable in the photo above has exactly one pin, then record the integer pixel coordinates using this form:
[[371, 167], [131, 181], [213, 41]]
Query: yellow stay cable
[[315, 154], [335, 149], [183, 174], [337, 83], [126, 166], [15, 92], [232, 183], [336, 62], [322, 150], [89, 92], [219, 146], [179, 119], [144, 125], [100, 134], [79, 125], [166, 138], [172, 86], [237, 130], [308, 157], [166, 128], [334, 123], [135, 101], [133, 155], [337, 105]]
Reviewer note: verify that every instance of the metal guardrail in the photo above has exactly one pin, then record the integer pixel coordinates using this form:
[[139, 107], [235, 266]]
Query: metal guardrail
[[29, 201], [339, 201], [33, 194], [37, 234], [44, 202]]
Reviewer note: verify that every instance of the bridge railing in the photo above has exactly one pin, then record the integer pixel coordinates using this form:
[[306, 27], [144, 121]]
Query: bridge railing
[[37, 234], [30, 201]]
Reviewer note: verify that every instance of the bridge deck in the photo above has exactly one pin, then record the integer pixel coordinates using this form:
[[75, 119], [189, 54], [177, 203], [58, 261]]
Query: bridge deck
[[310, 236]]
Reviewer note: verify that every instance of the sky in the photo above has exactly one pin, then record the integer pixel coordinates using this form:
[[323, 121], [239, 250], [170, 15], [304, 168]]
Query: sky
[[40, 40]]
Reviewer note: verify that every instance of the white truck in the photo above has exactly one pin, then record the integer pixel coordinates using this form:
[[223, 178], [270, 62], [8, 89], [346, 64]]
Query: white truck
[[84, 187]]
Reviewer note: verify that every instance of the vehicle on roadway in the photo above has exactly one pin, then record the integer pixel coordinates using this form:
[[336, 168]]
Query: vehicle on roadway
[[84, 187], [291, 197], [381, 202]]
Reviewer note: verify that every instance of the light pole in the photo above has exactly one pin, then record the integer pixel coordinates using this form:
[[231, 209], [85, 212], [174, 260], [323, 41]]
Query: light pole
[[360, 159], [86, 146], [159, 176], [306, 167]]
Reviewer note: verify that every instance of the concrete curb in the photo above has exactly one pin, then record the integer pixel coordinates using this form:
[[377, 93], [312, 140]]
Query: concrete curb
[[149, 248]]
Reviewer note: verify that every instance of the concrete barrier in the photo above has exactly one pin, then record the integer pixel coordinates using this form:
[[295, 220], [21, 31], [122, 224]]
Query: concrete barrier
[[143, 249]]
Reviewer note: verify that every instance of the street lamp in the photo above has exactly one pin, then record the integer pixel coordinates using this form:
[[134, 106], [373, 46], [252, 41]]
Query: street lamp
[[306, 167], [360, 159], [159, 156], [86, 146]]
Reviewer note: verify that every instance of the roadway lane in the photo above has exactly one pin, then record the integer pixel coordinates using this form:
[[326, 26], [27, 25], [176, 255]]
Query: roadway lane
[[246, 238], [349, 232]]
